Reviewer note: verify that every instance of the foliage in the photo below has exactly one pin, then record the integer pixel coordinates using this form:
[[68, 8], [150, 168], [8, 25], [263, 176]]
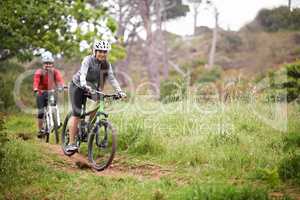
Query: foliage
[[222, 191], [135, 139], [279, 19], [181, 155], [172, 90], [210, 75], [17, 159], [291, 141], [3, 137], [175, 9], [231, 42], [147, 144], [129, 134], [9, 71], [271, 176], [238, 89], [289, 167], [285, 84], [53, 25], [195, 68]]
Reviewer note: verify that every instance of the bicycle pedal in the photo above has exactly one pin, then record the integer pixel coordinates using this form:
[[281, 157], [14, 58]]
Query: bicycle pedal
[[40, 136], [103, 144]]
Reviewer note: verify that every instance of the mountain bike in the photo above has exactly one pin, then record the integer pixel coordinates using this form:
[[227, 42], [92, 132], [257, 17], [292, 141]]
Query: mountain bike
[[97, 131], [51, 118]]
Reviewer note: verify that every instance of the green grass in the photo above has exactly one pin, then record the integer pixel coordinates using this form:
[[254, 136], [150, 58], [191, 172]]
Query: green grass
[[211, 151]]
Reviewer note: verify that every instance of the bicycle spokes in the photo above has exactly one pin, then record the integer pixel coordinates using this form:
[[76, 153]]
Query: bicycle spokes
[[102, 147], [102, 138]]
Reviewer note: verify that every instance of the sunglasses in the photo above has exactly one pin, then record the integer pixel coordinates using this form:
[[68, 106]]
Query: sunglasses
[[48, 63]]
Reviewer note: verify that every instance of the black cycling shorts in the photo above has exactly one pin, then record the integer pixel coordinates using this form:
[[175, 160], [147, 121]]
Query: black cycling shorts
[[77, 99], [41, 102]]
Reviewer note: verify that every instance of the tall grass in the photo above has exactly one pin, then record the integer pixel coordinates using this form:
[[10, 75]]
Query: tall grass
[[208, 143], [226, 136]]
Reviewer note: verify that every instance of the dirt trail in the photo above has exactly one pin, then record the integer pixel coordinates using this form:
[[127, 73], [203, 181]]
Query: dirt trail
[[117, 169]]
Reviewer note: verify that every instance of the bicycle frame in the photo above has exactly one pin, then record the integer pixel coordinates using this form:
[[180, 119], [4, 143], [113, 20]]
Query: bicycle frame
[[99, 111], [49, 109], [91, 131]]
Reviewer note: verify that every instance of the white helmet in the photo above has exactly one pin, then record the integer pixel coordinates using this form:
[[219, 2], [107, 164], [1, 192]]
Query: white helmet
[[102, 45], [47, 57]]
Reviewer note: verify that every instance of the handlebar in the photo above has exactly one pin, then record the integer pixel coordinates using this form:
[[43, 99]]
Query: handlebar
[[55, 90], [114, 96]]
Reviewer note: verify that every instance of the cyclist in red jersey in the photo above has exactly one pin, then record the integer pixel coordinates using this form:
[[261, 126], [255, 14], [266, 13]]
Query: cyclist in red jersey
[[46, 78]]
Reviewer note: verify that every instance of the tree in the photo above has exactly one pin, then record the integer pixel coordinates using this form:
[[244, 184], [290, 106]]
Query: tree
[[134, 16], [196, 4], [284, 83], [279, 19], [125, 12], [212, 53], [173, 9], [55, 25]]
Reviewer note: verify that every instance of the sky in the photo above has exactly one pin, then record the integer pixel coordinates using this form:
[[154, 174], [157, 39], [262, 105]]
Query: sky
[[233, 15]]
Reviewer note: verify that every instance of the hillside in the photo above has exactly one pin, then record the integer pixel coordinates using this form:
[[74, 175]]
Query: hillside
[[246, 51], [249, 51]]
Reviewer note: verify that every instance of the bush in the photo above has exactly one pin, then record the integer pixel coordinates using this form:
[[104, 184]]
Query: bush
[[279, 19], [285, 84], [231, 43], [147, 144], [289, 168], [291, 141], [210, 75], [8, 73], [3, 137], [129, 134], [269, 175], [136, 138], [172, 90], [195, 68]]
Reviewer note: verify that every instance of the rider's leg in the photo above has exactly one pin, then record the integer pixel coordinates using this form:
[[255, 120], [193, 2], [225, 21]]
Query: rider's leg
[[74, 129], [41, 102], [76, 95], [40, 123]]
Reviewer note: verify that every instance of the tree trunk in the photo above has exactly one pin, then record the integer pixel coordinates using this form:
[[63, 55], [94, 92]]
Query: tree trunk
[[152, 68], [195, 18], [121, 66], [161, 43], [212, 53], [165, 58]]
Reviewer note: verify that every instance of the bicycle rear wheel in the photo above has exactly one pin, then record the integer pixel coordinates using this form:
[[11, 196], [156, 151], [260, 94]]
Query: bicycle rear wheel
[[102, 145], [65, 137]]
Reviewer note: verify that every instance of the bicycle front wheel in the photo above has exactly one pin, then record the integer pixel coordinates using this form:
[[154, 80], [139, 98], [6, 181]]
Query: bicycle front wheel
[[102, 145], [55, 127], [46, 126], [65, 136]]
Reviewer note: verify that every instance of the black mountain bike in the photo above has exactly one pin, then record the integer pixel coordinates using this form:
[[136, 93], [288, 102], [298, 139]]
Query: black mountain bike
[[97, 131]]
